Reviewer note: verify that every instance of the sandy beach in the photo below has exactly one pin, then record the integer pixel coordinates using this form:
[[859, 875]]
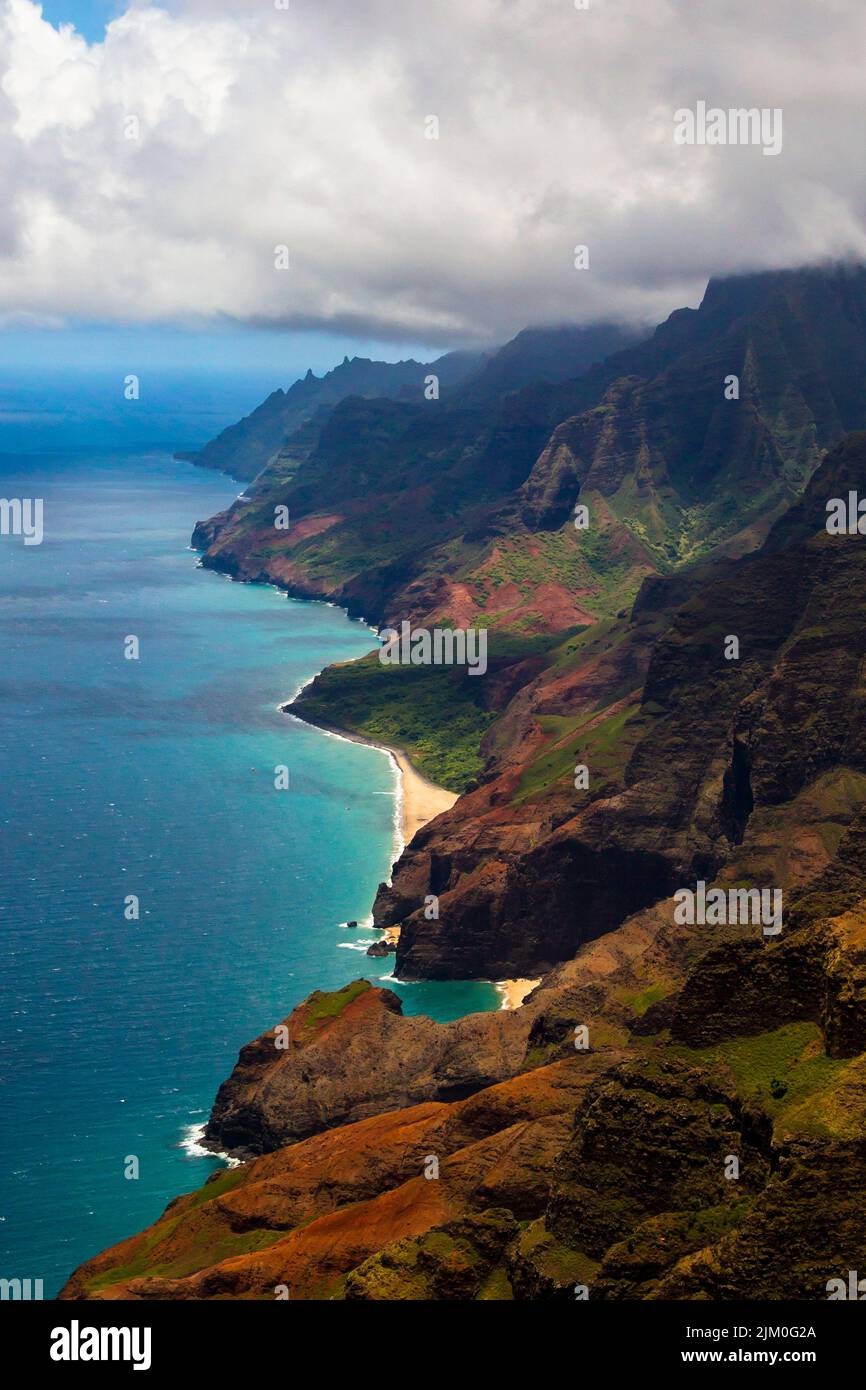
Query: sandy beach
[[420, 800], [515, 991]]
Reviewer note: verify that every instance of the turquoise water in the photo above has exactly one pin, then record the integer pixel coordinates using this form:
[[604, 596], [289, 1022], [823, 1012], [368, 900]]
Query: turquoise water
[[155, 778]]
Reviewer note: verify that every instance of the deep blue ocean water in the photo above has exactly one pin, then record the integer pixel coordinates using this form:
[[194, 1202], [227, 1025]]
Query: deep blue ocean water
[[156, 778]]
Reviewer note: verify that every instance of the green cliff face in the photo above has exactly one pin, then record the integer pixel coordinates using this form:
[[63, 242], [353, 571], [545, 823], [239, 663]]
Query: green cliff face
[[403, 509], [696, 774]]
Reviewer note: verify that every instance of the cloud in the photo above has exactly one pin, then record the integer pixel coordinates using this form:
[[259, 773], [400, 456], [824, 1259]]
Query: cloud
[[255, 128]]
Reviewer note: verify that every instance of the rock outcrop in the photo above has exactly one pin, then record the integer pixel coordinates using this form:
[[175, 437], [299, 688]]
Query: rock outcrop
[[343, 1056]]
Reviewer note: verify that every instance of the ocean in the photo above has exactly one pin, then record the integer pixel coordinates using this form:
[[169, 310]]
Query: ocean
[[154, 779]]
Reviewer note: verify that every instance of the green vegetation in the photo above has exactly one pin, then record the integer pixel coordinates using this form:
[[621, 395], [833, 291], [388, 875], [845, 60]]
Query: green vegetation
[[680, 1232], [554, 1261], [643, 1000], [540, 1055], [496, 1287], [604, 748], [547, 557], [600, 569], [323, 1007], [211, 1242], [201, 1249], [216, 1186], [436, 714], [784, 1072], [708, 1225], [206, 1241]]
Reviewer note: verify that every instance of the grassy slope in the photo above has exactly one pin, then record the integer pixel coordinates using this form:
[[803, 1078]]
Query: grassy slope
[[436, 714]]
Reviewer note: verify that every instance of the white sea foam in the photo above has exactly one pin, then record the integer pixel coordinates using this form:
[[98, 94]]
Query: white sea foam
[[193, 1147]]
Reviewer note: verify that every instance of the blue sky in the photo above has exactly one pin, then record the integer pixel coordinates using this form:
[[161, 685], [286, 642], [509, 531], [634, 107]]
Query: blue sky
[[106, 347], [89, 16]]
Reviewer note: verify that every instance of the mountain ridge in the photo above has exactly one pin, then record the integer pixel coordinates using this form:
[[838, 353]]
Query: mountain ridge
[[246, 447], [287, 424], [467, 475]]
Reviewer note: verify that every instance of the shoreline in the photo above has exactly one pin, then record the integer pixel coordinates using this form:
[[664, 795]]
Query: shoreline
[[418, 801], [514, 992]]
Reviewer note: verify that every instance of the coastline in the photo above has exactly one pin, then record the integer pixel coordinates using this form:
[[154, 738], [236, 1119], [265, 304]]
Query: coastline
[[421, 800], [515, 992], [418, 800]]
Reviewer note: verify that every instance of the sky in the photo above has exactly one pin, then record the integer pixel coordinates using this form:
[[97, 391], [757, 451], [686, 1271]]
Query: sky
[[414, 176], [277, 355], [89, 16]]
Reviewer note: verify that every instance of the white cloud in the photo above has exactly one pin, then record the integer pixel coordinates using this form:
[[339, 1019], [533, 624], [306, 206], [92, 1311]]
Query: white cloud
[[260, 127]]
